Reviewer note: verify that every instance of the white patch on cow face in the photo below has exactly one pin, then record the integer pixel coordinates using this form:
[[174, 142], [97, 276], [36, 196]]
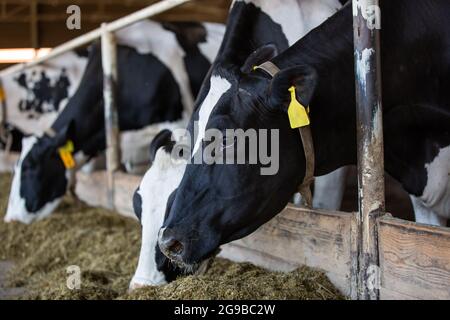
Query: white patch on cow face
[[157, 185], [218, 87], [17, 210], [435, 201], [297, 17]]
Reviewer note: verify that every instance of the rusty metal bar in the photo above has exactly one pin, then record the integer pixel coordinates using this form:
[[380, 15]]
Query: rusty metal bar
[[367, 25], [109, 63]]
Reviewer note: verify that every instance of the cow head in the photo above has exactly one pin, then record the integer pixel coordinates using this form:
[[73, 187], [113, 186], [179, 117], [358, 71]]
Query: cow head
[[219, 203], [149, 203], [40, 178]]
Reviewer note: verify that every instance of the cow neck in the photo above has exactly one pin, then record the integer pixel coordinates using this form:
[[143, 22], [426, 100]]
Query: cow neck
[[308, 146], [328, 49], [80, 156], [324, 47]]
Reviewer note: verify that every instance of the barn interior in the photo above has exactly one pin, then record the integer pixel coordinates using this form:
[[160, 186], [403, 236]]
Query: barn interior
[[36, 25]]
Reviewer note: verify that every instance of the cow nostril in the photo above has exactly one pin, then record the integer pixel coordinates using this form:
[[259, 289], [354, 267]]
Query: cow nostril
[[175, 247]]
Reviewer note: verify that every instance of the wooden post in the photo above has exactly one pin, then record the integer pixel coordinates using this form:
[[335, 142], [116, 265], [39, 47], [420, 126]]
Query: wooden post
[[34, 25], [367, 25], [2, 104], [109, 62], [3, 115]]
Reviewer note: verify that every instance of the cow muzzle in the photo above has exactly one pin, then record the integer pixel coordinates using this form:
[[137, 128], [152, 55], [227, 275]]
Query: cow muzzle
[[170, 246]]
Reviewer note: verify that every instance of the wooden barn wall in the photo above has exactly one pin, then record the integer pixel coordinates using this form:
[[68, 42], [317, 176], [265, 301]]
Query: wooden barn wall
[[414, 260]]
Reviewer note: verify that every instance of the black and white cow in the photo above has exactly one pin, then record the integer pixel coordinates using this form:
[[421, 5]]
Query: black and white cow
[[160, 68], [251, 24], [35, 96], [216, 204], [282, 23], [149, 203]]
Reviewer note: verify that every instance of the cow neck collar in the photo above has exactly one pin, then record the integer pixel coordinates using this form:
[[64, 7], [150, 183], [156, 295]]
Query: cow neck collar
[[308, 145]]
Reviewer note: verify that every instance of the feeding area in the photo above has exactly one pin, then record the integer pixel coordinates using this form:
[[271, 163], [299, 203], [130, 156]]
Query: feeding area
[[106, 247], [215, 150]]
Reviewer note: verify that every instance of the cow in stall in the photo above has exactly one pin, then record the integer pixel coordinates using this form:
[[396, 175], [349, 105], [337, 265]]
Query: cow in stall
[[161, 68], [216, 204], [251, 24], [149, 203]]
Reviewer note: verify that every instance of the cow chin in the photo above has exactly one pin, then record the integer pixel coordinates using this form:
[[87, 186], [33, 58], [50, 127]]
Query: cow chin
[[198, 268], [17, 210], [194, 258]]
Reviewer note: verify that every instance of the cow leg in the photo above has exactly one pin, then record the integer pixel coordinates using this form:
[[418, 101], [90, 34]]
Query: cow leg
[[426, 215], [329, 190]]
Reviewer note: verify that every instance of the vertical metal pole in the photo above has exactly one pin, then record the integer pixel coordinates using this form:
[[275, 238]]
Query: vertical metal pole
[[109, 62], [367, 25]]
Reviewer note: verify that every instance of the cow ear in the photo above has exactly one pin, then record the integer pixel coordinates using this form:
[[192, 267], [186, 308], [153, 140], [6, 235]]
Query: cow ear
[[162, 139], [261, 55], [303, 78]]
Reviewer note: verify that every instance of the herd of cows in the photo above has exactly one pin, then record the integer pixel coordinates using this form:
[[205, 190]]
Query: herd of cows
[[202, 76]]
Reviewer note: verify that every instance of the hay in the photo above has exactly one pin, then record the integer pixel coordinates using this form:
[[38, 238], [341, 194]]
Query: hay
[[235, 281], [106, 246]]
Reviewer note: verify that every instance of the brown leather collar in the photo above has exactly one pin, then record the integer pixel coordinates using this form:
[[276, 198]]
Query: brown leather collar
[[308, 145]]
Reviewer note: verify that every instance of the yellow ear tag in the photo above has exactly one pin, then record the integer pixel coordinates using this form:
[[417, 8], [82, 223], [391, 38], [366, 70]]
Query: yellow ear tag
[[65, 153], [298, 114]]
